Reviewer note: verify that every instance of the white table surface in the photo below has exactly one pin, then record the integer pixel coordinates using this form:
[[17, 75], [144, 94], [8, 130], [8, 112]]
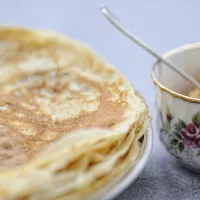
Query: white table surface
[[163, 25]]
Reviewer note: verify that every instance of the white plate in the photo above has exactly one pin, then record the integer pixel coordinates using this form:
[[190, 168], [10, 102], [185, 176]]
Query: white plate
[[135, 170]]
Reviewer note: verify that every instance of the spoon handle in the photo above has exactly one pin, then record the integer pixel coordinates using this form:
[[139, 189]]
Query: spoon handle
[[113, 20]]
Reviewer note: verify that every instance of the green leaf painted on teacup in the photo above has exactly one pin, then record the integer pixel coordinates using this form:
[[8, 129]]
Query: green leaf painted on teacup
[[181, 147], [178, 135], [196, 119], [182, 123], [174, 142], [198, 153], [165, 129]]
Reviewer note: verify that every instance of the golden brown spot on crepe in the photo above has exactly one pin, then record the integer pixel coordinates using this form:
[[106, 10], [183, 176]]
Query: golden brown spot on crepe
[[108, 113], [11, 154]]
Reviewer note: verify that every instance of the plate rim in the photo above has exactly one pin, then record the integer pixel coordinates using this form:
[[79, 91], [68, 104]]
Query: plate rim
[[135, 170]]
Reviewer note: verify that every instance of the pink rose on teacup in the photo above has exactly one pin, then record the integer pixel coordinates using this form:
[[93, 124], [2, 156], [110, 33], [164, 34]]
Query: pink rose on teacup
[[191, 135]]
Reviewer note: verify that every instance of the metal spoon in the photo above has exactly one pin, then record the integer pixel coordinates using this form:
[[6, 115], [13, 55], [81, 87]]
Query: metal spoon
[[115, 22]]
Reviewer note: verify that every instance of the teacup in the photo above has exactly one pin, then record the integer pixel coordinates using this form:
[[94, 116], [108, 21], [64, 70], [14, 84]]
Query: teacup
[[178, 115]]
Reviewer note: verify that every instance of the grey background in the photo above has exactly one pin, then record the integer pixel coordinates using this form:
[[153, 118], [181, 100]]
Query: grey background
[[163, 25]]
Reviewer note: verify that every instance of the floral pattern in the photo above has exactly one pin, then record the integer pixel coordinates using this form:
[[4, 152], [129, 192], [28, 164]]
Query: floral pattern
[[180, 134], [191, 136]]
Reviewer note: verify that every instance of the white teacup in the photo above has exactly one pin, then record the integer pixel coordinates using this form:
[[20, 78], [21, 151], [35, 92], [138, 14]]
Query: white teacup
[[178, 116]]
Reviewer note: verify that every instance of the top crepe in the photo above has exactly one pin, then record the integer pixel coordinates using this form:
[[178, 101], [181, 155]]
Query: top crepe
[[63, 111]]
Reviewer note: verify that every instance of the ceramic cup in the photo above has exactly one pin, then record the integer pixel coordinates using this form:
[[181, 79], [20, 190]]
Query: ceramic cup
[[178, 116]]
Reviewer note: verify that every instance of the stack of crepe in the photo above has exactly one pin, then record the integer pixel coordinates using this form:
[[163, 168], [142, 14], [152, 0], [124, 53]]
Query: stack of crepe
[[69, 122]]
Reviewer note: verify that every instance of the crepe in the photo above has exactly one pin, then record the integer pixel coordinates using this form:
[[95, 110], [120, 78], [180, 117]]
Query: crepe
[[69, 122]]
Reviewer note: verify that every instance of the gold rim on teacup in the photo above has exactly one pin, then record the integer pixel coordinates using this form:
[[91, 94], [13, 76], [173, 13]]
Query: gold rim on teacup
[[161, 86]]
